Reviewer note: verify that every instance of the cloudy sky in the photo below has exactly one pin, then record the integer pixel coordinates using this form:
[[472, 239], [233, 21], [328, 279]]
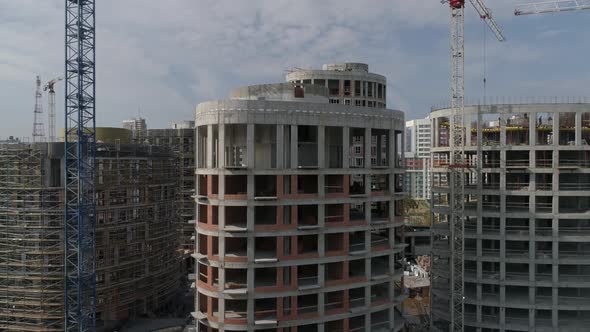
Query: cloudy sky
[[161, 58]]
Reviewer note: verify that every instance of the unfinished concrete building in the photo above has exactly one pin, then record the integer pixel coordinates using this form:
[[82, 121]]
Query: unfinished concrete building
[[527, 232], [299, 217], [137, 267], [181, 140]]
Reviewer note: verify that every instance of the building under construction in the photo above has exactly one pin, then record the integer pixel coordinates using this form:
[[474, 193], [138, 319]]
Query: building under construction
[[181, 140], [526, 226], [137, 267]]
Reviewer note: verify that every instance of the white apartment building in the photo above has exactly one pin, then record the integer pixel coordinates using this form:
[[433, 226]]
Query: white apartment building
[[417, 158]]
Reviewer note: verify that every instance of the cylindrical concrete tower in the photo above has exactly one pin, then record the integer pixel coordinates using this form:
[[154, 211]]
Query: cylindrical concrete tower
[[527, 232], [299, 214]]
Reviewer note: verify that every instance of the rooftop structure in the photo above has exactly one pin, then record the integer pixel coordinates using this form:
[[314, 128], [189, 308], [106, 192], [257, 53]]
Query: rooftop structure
[[138, 126], [299, 211], [136, 264], [526, 229]]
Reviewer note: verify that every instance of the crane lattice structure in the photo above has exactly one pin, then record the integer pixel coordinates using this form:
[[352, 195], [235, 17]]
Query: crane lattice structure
[[79, 170], [38, 125], [458, 166], [50, 86], [551, 7]]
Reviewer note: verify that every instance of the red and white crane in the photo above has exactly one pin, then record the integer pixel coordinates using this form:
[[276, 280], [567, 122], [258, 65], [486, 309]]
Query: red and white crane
[[457, 164], [50, 86]]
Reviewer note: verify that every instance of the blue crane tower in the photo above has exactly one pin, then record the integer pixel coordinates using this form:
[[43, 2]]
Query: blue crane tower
[[79, 168]]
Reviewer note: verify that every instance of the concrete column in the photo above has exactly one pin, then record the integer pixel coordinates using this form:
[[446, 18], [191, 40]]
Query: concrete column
[[368, 146], [555, 128], [209, 156], [321, 147], [578, 128], [533, 129], [280, 146], [221, 146], [346, 147], [503, 118], [294, 146], [392, 149], [250, 145]]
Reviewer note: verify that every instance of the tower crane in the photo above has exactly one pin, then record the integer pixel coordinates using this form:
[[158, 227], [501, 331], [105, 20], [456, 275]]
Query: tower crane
[[38, 126], [79, 168], [551, 7], [51, 103], [457, 164]]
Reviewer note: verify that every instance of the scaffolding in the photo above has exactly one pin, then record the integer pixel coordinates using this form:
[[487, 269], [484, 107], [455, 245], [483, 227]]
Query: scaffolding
[[137, 265], [31, 252]]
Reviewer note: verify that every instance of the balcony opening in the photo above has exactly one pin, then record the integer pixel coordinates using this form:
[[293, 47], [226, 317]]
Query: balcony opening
[[203, 244], [203, 276], [265, 215], [203, 303], [544, 128], [380, 183], [379, 147], [379, 267], [334, 184], [490, 129], [202, 209], [265, 310], [334, 301], [236, 309], [357, 148], [334, 213], [333, 148], [380, 293], [521, 203], [490, 181], [518, 226], [236, 247], [356, 241], [286, 146], [577, 182], [357, 212], [573, 204], [202, 150], [236, 216], [307, 304], [517, 159], [517, 181], [334, 271], [307, 276], [265, 277], [356, 298], [307, 215], [543, 181], [380, 320], [398, 183], [517, 129], [513, 249], [356, 269], [308, 328], [236, 185], [543, 204], [236, 148], [570, 159], [491, 159], [265, 146], [379, 211], [567, 128], [357, 184], [544, 159], [442, 127], [307, 145], [265, 248], [265, 186], [307, 244], [334, 87], [334, 243], [574, 226], [379, 238], [307, 184], [235, 279], [202, 180], [347, 87], [336, 325], [543, 227]]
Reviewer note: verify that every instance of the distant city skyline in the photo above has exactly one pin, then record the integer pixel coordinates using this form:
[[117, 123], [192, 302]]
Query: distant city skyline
[[167, 57]]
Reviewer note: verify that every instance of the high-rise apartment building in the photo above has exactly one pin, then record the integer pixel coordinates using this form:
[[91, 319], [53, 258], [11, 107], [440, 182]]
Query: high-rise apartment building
[[526, 231], [138, 127], [299, 206], [417, 153]]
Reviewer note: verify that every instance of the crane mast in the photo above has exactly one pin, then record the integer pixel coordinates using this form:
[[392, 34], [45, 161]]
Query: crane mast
[[551, 7], [79, 170], [50, 87], [38, 125], [458, 165]]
